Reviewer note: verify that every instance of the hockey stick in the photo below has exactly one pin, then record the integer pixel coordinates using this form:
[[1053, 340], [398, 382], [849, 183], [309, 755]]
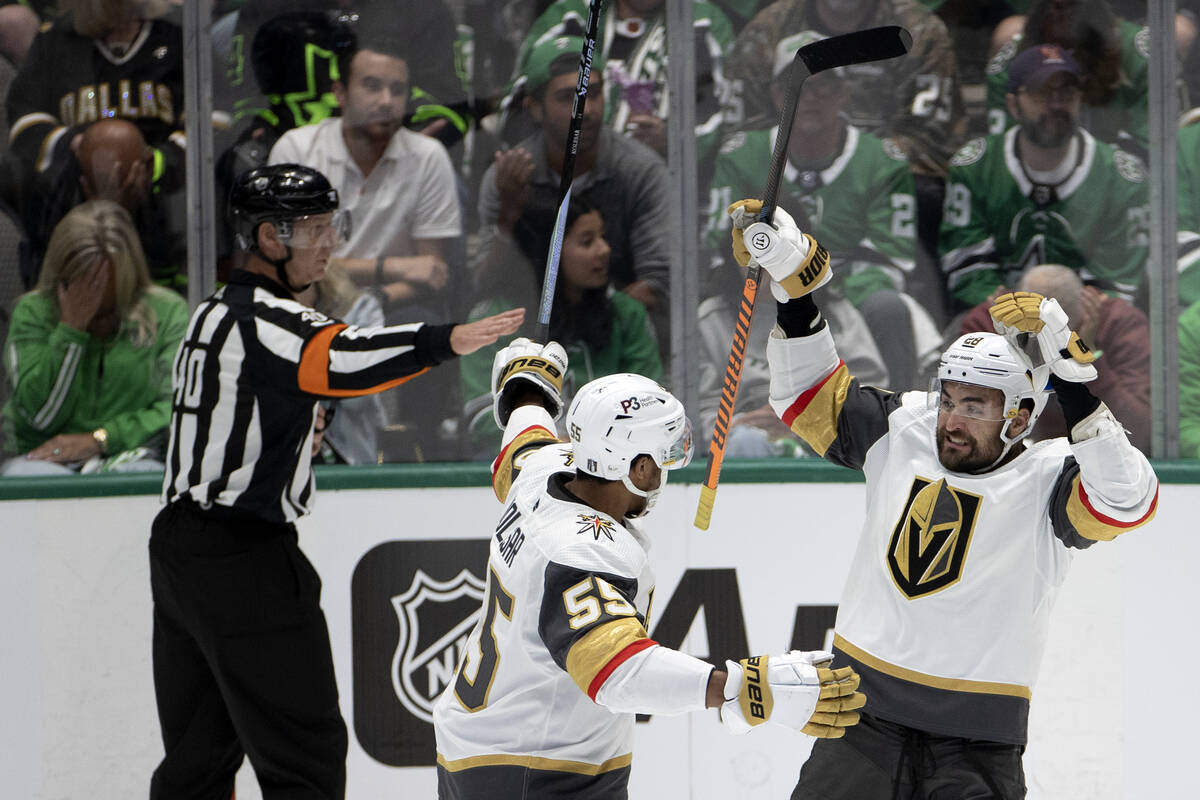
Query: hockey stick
[[859, 47], [542, 333]]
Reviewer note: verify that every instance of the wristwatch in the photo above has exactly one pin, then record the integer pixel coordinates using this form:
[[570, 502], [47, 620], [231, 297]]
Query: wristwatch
[[101, 437]]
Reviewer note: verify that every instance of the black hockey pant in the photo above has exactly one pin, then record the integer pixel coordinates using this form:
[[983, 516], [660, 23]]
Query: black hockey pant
[[242, 665], [880, 760]]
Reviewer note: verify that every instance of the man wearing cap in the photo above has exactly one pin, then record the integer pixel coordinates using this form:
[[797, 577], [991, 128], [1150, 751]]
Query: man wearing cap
[[1044, 192], [625, 179], [1113, 54], [855, 192]]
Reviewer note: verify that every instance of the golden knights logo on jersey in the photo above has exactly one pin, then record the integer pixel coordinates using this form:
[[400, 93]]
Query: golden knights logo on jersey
[[431, 644], [931, 538], [595, 525]]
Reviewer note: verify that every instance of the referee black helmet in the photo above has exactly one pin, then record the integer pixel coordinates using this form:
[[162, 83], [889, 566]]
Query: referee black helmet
[[277, 193]]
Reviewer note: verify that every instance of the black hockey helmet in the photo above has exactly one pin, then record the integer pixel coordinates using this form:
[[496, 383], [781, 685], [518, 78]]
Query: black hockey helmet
[[277, 193]]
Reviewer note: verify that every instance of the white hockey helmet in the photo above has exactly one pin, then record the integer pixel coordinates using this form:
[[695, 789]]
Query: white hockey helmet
[[617, 418], [987, 359]]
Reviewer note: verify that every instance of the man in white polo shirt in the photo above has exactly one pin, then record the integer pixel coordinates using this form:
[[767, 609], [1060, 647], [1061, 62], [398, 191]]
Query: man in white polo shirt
[[400, 186]]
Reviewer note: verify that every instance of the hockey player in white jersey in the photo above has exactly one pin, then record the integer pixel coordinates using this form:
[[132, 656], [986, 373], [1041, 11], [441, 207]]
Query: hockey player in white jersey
[[969, 530], [543, 703]]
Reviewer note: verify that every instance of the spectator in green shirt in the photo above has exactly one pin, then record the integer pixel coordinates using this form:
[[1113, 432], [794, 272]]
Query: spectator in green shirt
[[604, 331], [89, 353]]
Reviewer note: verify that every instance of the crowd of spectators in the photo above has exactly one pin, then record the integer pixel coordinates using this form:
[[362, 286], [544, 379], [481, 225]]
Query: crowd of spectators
[[1008, 149]]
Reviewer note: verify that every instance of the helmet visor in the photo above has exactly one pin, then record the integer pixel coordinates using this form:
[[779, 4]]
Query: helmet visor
[[318, 230], [970, 407], [678, 452]]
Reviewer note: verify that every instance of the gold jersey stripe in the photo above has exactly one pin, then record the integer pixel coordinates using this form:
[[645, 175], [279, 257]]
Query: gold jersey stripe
[[592, 652], [504, 470], [912, 676], [814, 415], [535, 762], [1091, 524]]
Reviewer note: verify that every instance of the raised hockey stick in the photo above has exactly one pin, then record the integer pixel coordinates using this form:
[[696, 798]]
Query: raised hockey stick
[[859, 47], [542, 333]]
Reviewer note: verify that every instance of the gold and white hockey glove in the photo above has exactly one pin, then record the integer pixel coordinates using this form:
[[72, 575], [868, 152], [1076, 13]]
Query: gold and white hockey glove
[[1038, 327], [796, 690], [796, 263], [522, 363]]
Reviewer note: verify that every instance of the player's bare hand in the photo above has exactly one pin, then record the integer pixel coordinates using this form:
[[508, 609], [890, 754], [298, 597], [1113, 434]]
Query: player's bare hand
[[80, 299], [649, 130], [466, 339], [66, 448], [644, 293]]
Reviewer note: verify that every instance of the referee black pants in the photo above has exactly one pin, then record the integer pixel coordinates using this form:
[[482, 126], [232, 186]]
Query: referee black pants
[[880, 760], [242, 664]]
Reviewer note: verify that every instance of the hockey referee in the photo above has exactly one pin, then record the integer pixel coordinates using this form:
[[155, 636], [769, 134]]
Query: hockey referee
[[242, 663]]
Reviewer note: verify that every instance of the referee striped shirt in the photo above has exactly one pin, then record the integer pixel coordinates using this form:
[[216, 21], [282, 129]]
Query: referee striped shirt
[[247, 379]]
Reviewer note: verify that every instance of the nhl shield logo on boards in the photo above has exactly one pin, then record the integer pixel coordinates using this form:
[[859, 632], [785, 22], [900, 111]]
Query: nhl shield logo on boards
[[411, 604], [930, 541], [431, 644]]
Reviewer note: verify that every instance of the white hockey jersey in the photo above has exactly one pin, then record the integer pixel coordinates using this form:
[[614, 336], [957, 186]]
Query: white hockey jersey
[[947, 604], [563, 630]]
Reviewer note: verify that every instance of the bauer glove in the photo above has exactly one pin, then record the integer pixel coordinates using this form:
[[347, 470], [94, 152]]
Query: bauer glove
[[794, 260], [796, 690], [524, 363], [1038, 328]]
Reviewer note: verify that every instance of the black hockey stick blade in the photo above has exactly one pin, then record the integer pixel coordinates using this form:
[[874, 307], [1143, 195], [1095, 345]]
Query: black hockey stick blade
[[857, 47]]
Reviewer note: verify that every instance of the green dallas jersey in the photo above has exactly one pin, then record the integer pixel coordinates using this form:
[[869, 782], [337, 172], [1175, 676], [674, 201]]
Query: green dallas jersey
[[861, 207], [1095, 221]]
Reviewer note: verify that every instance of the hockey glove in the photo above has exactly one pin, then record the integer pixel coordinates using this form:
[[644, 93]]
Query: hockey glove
[[796, 690], [1038, 327], [794, 260], [524, 363]]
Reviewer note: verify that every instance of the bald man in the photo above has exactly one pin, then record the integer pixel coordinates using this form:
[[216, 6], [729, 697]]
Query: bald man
[[115, 163], [112, 162]]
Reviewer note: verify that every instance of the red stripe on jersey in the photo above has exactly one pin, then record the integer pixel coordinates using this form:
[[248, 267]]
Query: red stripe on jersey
[[1107, 520], [620, 658], [500, 458], [801, 403]]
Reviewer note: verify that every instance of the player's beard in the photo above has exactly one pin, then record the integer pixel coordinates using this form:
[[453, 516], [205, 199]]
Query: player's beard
[[974, 458], [1050, 130]]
